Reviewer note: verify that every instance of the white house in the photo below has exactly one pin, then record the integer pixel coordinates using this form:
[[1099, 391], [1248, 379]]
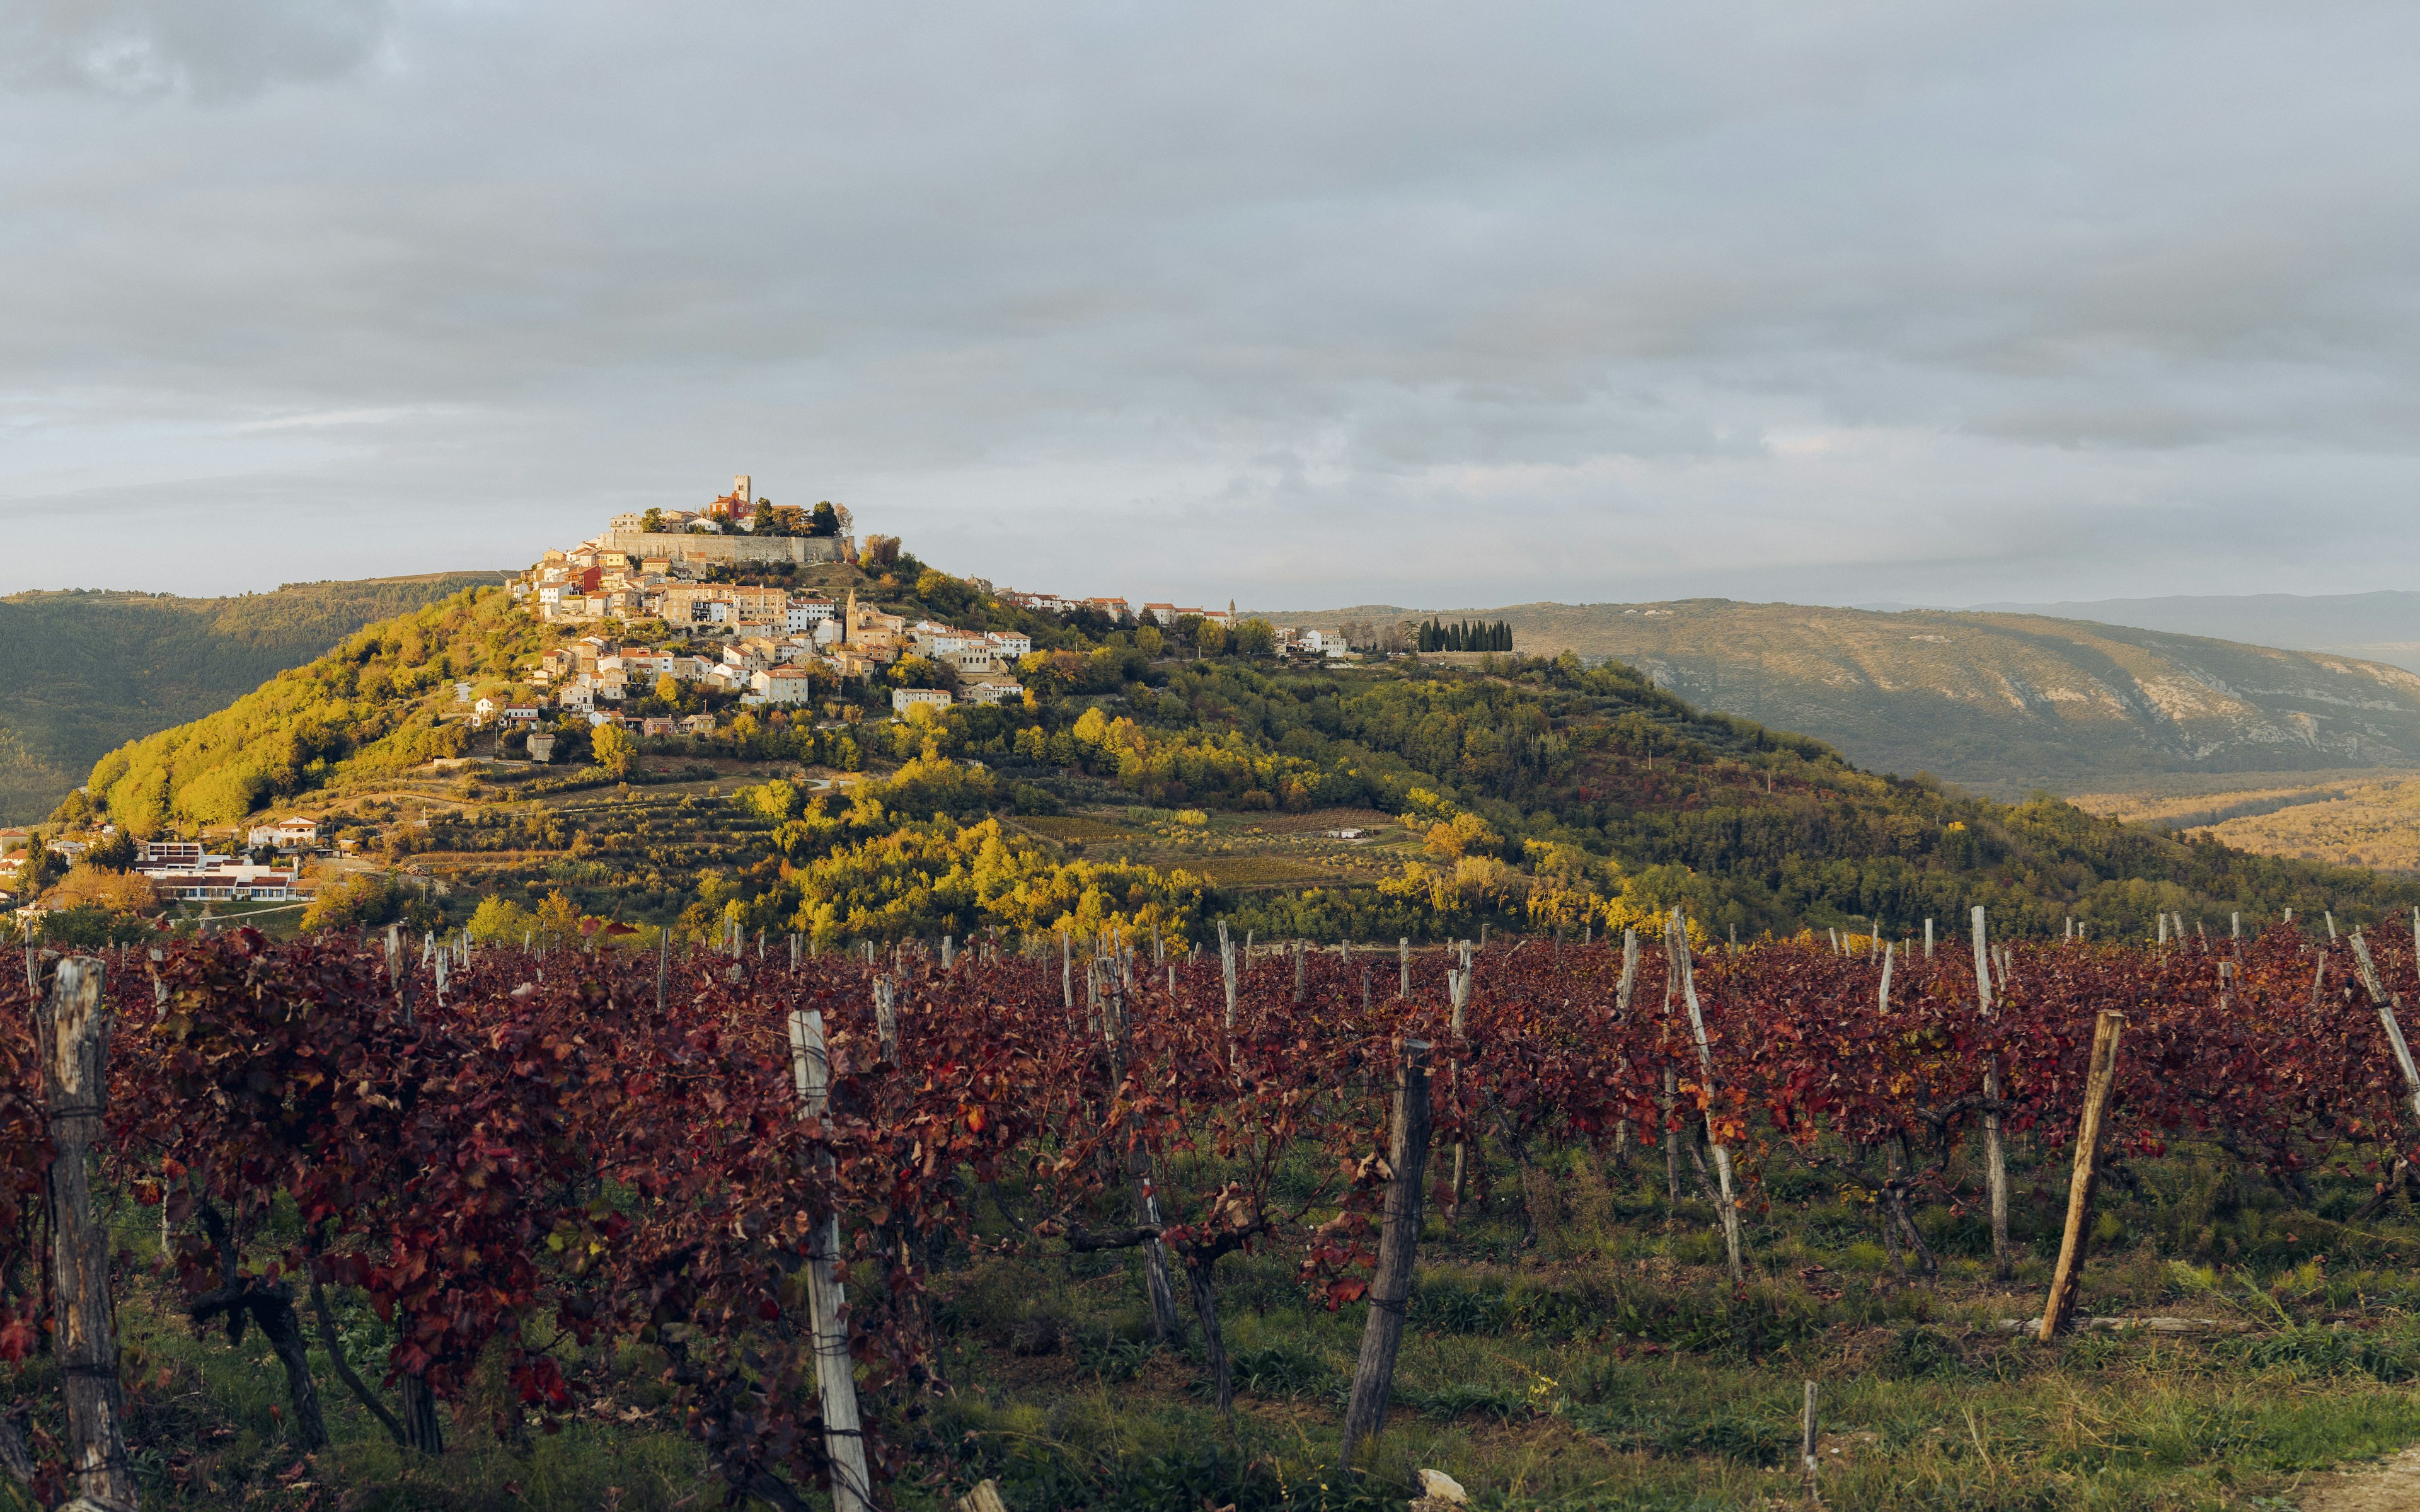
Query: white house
[[1010, 644], [971, 661], [904, 699], [938, 641], [996, 692], [162, 855], [804, 614], [783, 685], [286, 834], [259, 883]]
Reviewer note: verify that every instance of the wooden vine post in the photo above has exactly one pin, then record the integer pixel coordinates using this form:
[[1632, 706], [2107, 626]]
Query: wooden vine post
[[2100, 1079], [1995, 1165], [1806, 1449], [1672, 1102], [2387, 1004], [1399, 1237], [852, 1486], [74, 1031], [1158, 1279], [1621, 995], [1457, 986], [886, 1019], [1725, 1203], [1227, 969]]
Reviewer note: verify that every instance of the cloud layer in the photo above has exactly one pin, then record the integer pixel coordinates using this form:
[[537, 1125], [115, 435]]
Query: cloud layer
[[1318, 303]]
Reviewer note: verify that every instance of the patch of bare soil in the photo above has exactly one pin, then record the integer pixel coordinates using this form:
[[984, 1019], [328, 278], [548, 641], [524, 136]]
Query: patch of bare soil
[[2393, 1487]]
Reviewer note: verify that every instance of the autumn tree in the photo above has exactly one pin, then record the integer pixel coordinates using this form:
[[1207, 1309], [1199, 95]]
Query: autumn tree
[[557, 921], [500, 921], [614, 750], [93, 886]]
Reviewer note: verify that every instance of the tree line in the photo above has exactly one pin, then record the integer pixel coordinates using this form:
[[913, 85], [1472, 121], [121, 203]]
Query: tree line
[[1466, 635]]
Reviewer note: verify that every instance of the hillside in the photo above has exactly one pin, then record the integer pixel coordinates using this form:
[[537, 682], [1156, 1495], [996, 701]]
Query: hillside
[[2368, 817], [1533, 794], [89, 670], [2378, 626], [2001, 703]]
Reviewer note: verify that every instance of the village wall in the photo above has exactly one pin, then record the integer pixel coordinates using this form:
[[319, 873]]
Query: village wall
[[729, 549]]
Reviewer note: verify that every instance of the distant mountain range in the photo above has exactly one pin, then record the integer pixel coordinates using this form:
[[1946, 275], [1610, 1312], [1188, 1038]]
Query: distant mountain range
[[2381, 626], [88, 671], [1998, 701]]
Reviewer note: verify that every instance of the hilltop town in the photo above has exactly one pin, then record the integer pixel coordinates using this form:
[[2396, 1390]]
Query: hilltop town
[[672, 637], [727, 599]]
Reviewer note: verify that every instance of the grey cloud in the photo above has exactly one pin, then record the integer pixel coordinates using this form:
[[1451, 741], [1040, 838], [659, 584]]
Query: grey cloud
[[223, 50], [1423, 303]]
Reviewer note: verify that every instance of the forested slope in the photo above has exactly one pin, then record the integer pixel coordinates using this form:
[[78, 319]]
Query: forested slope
[[86, 671]]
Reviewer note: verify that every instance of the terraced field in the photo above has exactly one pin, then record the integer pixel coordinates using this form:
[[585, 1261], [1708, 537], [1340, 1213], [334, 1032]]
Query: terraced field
[[1244, 851]]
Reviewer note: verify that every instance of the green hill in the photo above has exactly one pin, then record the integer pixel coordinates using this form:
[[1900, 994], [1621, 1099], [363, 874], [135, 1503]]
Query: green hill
[[2002, 702], [87, 671], [1522, 790]]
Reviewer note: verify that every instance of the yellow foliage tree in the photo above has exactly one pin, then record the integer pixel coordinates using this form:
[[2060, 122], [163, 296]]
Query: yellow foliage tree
[[501, 922], [93, 886], [557, 922]]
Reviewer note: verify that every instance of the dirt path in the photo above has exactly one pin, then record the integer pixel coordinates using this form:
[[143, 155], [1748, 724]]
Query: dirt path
[[2393, 1487]]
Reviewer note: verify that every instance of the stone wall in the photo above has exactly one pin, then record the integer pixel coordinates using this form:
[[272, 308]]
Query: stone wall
[[730, 549]]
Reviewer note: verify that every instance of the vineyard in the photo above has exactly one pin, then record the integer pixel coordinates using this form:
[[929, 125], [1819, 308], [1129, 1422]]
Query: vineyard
[[566, 1183]]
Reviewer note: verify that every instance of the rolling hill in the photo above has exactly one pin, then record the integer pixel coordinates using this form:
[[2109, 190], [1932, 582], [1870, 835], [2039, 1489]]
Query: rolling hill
[[2000, 702], [1521, 796], [2378, 626], [89, 670]]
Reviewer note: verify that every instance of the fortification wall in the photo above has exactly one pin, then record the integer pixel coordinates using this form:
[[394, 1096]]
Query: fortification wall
[[730, 549]]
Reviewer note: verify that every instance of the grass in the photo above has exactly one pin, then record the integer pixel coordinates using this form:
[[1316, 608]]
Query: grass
[[1064, 828], [1259, 871], [1608, 1366], [207, 1428], [1611, 1366]]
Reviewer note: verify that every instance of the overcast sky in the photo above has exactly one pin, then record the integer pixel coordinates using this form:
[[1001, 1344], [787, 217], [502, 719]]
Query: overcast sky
[[1296, 304]]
